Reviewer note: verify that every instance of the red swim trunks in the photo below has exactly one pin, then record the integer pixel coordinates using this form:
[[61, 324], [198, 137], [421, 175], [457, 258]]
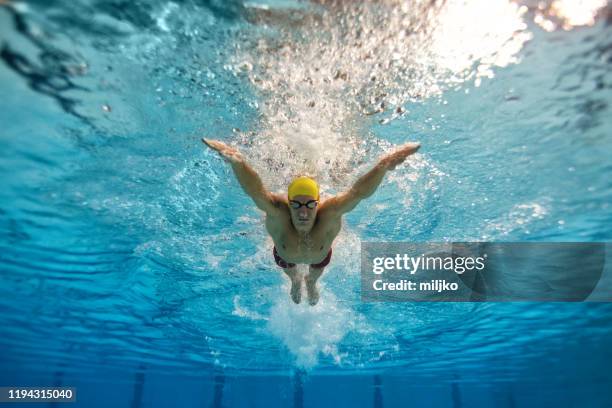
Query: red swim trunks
[[284, 264]]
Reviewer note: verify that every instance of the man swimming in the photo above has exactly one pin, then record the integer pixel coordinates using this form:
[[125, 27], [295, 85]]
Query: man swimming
[[302, 229]]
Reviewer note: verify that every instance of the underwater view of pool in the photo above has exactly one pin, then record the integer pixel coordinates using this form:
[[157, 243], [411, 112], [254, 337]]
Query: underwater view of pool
[[135, 269]]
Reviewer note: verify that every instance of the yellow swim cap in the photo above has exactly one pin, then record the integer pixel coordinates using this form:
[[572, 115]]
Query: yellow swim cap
[[303, 186]]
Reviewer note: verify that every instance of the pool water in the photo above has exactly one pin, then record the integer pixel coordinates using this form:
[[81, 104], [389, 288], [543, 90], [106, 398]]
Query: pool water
[[135, 269]]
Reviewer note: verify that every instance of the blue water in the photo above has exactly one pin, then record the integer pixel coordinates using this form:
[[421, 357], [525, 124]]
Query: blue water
[[135, 269]]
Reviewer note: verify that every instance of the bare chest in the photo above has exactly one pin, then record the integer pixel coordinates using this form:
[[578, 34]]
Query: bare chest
[[306, 249]]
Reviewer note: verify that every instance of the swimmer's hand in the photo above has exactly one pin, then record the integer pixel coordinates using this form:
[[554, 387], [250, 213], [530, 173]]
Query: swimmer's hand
[[227, 152], [393, 159]]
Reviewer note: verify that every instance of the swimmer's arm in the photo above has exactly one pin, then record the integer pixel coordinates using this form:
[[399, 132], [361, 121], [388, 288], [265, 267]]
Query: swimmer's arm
[[367, 184], [247, 177]]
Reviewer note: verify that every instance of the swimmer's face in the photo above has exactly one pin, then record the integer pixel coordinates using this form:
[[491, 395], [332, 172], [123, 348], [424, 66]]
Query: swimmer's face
[[303, 218]]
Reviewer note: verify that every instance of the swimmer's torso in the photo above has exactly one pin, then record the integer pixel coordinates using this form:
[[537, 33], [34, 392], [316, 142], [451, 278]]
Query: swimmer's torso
[[309, 249]]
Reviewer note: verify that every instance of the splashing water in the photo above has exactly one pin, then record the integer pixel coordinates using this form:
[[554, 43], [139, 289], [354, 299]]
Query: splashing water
[[319, 81], [309, 332]]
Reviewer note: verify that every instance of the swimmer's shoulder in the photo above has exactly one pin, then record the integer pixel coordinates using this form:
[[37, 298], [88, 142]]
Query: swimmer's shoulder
[[279, 203], [328, 208], [278, 219], [279, 199]]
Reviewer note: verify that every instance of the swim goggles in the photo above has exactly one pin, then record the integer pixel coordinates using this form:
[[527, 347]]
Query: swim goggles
[[312, 204]]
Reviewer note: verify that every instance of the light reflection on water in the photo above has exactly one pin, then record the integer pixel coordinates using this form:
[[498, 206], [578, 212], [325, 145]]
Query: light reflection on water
[[567, 14]]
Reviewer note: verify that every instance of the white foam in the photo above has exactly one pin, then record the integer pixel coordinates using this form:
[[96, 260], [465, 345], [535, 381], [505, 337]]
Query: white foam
[[242, 311], [311, 331], [521, 217]]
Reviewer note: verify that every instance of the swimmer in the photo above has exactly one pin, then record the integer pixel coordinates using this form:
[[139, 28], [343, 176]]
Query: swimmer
[[302, 227]]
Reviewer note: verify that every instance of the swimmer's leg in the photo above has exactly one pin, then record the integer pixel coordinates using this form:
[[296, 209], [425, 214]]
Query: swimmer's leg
[[314, 274], [296, 283]]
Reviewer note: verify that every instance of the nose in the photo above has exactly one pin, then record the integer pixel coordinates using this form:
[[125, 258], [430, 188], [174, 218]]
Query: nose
[[303, 212]]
